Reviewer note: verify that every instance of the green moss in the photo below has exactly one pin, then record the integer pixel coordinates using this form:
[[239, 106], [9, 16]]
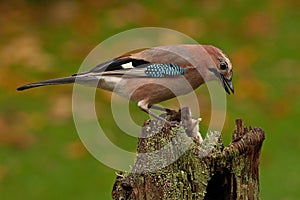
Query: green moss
[[193, 169]]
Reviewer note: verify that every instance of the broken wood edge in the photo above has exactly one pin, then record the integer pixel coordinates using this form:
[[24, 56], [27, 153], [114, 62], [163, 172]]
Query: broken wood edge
[[243, 139]]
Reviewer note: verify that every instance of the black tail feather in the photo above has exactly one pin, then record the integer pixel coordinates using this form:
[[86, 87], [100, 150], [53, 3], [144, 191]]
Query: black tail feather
[[57, 81]]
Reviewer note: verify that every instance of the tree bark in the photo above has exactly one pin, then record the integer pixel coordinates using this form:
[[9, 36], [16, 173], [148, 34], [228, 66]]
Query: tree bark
[[172, 165]]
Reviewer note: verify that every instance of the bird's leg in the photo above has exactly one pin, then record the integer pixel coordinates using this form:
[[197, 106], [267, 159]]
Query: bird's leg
[[156, 107], [156, 116], [144, 107]]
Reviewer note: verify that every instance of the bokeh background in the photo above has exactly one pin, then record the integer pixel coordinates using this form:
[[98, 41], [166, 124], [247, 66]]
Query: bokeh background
[[41, 156]]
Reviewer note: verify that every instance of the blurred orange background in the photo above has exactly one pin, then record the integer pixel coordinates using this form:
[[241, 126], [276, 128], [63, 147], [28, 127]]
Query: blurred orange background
[[41, 155]]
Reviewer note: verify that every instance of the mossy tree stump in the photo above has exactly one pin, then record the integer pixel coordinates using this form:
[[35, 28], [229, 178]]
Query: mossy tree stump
[[172, 165]]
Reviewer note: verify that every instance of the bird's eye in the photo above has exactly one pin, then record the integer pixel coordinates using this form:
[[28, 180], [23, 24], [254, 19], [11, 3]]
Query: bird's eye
[[223, 65]]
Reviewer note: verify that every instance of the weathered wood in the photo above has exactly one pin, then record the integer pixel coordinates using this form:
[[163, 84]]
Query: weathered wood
[[171, 165]]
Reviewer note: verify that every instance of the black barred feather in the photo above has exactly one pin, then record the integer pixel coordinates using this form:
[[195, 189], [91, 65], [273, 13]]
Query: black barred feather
[[163, 70]]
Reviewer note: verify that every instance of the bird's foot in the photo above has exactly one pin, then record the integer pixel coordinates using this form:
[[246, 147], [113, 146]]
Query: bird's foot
[[191, 125], [162, 118]]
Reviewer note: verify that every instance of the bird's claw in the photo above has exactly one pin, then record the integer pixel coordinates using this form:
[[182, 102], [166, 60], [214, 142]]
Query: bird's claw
[[173, 123]]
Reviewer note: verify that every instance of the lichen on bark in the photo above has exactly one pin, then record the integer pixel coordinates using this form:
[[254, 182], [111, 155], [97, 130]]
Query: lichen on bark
[[171, 165]]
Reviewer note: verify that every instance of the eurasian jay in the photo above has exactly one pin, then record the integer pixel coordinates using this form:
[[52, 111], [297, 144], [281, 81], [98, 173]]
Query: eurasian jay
[[156, 74]]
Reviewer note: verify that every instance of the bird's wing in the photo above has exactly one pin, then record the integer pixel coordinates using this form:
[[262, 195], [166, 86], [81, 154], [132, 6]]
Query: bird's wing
[[150, 70], [154, 62], [112, 65]]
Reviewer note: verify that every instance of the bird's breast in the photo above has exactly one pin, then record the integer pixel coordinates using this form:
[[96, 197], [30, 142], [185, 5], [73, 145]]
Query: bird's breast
[[153, 90]]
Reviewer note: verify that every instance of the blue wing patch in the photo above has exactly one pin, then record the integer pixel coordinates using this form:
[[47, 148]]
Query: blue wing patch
[[163, 70]]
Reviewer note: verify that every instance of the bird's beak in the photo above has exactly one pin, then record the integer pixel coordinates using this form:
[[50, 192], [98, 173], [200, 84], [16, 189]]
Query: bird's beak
[[228, 86]]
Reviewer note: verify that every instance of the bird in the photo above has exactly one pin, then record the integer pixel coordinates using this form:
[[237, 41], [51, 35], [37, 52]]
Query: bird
[[152, 75]]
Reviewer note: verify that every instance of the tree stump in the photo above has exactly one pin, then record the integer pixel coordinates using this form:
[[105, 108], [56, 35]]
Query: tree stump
[[172, 165]]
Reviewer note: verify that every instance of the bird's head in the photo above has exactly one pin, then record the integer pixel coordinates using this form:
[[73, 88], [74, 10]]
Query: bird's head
[[221, 68]]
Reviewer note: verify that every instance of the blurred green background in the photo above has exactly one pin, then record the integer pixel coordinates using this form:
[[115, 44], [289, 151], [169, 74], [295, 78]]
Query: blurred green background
[[41, 156]]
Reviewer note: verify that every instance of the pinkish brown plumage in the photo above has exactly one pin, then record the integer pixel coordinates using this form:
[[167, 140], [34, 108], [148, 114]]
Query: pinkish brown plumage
[[156, 74]]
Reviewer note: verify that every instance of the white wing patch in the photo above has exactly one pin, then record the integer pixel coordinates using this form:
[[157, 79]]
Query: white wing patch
[[127, 65]]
